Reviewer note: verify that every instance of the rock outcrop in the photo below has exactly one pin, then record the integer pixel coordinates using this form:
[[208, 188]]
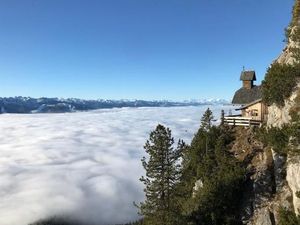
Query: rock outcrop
[[266, 189], [273, 179], [286, 57], [197, 187], [278, 116], [293, 179]]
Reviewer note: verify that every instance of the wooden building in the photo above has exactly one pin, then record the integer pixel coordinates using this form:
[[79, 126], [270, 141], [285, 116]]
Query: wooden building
[[248, 78], [256, 110], [249, 100]]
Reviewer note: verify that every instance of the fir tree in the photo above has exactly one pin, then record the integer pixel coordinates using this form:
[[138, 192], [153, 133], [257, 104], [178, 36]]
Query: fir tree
[[222, 117], [206, 121], [162, 175], [208, 160], [206, 125], [217, 201]]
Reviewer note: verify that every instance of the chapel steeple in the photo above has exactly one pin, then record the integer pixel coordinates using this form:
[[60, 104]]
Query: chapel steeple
[[248, 78]]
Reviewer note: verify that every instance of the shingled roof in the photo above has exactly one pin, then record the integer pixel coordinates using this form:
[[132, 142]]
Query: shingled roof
[[248, 75], [245, 96]]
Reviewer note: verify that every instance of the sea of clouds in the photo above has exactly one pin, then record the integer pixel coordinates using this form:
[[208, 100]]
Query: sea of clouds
[[85, 165]]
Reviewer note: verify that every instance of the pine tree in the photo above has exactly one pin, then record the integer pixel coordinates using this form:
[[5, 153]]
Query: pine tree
[[206, 125], [207, 160], [206, 121], [217, 201], [162, 175], [222, 117]]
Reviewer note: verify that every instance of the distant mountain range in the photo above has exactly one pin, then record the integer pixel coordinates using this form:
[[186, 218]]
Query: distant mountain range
[[58, 105]]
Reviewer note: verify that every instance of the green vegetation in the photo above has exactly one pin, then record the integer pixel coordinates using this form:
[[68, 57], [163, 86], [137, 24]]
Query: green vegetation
[[162, 176], [279, 83], [286, 139], [202, 184], [275, 137], [292, 31], [287, 217], [281, 79], [296, 13], [207, 161]]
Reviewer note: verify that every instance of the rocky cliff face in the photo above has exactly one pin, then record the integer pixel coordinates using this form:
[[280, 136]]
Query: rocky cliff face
[[279, 116], [286, 57], [273, 179], [266, 187], [293, 179]]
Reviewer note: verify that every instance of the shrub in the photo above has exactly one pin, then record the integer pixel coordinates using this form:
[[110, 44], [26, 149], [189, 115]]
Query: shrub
[[279, 138], [276, 138], [287, 217], [279, 83]]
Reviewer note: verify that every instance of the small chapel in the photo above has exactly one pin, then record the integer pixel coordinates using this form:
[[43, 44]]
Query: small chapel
[[249, 101]]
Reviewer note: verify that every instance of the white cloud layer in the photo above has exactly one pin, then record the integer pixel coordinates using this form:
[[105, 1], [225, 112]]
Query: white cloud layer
[[86, 164]]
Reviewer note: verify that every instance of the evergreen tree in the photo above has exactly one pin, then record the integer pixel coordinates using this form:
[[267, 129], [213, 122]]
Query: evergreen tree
[[217, 201], [162, 175], [206, 121], [222, 117], [207, 160]]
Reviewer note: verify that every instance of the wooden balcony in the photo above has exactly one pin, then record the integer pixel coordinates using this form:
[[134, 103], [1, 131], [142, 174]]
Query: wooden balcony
[[241, 121]]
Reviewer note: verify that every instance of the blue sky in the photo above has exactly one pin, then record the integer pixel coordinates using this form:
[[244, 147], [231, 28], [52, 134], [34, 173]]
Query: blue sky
[[136, 49]]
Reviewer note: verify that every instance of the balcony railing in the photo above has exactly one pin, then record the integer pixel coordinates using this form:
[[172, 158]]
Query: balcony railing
[[241, 121]]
